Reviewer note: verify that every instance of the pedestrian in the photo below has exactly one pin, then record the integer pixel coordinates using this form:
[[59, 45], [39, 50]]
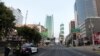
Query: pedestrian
[[7, 50]]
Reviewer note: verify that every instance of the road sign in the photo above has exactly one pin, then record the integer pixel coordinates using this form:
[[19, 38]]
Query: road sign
[[75, 30]]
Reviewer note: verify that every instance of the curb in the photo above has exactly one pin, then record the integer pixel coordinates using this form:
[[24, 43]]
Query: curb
[[88, 48]]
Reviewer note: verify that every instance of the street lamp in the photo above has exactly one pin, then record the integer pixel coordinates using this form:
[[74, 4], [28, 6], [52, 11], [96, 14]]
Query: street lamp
[[92, 26]]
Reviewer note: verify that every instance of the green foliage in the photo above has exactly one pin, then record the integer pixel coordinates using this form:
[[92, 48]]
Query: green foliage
[[6, 19], [29, 34], [44, 34]]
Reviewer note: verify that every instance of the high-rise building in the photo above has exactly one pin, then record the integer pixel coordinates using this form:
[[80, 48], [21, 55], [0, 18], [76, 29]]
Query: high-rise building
[[50, 26], [18, 15], [71, 26], [61, 35], [92, 28], [72, 37], [85, 9]]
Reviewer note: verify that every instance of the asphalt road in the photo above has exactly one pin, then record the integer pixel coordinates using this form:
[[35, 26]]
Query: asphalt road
[[59, 50]]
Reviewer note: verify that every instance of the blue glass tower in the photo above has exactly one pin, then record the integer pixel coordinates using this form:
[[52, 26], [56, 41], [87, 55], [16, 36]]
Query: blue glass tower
[[50, 26], [85, 9]]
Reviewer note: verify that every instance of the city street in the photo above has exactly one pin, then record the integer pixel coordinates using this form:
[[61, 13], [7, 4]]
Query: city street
[[59, 50], [50, 28]]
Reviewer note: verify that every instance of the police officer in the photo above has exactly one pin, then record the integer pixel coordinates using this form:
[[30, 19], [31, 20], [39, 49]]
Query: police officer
[[7, 50]]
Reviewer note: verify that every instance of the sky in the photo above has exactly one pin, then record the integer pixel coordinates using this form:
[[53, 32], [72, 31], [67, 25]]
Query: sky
[[62, 11]]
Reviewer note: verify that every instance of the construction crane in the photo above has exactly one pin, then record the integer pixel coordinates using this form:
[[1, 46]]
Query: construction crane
[[26, 16]]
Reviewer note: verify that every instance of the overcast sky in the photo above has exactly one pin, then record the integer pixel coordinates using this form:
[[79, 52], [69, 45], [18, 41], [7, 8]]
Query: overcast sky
[[62, 11]]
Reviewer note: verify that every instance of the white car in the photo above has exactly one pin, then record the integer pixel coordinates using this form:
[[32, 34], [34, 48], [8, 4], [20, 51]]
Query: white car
[[32, 47]]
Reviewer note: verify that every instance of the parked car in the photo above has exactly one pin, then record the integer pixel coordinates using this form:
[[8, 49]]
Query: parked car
[[29, 48]]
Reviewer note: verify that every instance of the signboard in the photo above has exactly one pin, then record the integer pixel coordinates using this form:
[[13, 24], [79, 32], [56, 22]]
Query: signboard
[[97, 38], [75, 30]]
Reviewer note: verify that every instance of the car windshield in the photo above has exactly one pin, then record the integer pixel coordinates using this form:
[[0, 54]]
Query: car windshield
[[32, 45]]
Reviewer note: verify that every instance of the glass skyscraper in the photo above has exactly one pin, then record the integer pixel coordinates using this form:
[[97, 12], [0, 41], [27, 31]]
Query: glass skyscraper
[[85, 9], [50, 26]]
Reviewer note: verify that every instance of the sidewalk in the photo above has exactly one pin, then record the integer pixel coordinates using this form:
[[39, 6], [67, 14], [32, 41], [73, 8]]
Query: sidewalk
[[85, 48], [1, 51], [88, 48], [1, 54]]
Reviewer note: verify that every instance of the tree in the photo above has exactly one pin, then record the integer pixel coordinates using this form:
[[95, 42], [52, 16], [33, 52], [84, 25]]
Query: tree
[[6, 20], [37, 38], [29, 34]]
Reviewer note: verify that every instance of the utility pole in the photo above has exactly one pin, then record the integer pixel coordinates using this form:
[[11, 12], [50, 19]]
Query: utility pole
[[92, 26], [26, 16]]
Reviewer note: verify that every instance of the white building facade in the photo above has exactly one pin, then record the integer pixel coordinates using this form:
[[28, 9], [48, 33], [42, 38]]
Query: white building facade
[[18, 15]]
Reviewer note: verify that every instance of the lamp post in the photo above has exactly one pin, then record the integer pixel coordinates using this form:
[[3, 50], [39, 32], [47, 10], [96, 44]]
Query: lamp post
[[92, 26]]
